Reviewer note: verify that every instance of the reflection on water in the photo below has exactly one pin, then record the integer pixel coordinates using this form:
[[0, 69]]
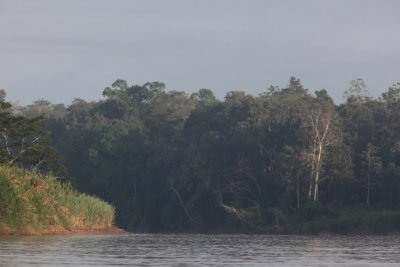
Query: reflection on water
[[200, 250]]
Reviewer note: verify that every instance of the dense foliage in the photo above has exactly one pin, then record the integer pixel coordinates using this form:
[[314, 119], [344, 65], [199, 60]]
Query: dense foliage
[[24, 143], [170, 161]]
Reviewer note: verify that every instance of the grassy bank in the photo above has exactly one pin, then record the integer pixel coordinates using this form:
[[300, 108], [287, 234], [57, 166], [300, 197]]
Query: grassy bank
[[33, 203]]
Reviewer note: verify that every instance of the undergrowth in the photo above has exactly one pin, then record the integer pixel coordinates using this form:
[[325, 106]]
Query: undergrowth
[[317, 218]]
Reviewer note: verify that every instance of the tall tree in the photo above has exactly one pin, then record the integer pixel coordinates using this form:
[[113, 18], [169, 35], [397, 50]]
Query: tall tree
[[23, 140]]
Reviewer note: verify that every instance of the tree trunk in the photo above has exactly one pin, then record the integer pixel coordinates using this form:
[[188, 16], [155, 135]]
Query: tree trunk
[[181, 202], [317, 170], [369, 173], [298, 192], [311, 179]]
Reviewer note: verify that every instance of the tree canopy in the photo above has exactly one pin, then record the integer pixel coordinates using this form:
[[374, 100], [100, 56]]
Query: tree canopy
[[170, 161]]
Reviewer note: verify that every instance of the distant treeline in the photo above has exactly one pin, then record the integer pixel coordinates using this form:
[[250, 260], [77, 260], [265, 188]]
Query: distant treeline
[[173, 162]]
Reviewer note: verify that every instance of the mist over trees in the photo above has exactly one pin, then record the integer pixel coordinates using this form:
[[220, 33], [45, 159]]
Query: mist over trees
[[173, 161]]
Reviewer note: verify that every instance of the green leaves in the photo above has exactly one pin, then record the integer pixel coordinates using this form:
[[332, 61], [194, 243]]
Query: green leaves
[[24, 143]]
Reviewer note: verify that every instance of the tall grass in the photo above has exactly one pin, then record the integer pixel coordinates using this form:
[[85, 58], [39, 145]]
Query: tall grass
[[86, 212], [32, 203]]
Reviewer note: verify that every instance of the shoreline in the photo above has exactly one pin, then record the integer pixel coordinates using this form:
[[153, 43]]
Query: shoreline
[[119, 231], [107, 231], [278, 232]]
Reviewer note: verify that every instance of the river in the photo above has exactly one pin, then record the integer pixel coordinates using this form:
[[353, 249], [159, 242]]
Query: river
[[199, 250]]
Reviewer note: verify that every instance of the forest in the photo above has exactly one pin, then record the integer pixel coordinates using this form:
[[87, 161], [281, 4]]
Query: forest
[[285, 159]]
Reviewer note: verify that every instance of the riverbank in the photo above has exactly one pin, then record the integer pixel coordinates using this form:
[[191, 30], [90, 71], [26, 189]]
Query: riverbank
[[358, 220], [35, 204], [317, 218], [107, 231], [278, 231], [311, 219]]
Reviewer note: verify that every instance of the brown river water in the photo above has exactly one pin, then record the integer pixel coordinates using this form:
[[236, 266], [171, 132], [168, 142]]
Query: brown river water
[[199, 250]]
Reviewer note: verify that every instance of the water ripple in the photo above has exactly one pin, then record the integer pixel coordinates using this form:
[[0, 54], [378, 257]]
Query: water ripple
[[200, 250]]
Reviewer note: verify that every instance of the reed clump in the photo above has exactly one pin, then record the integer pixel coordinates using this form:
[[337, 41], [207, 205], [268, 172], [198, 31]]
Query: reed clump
[[32, 203]]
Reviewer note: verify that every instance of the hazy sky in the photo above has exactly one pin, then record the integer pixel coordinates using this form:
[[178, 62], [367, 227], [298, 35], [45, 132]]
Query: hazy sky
[[61, 50]]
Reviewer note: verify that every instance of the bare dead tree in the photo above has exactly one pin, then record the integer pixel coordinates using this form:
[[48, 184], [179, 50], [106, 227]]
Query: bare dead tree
[[181, 201], [320, 122]]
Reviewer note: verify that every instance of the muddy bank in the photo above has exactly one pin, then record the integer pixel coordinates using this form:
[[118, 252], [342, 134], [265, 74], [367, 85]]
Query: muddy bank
[[106, 231]]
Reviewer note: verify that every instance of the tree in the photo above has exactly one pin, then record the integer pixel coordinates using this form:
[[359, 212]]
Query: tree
[[203, 96], [392, 94], [357, 91], [374, 166], [4, 105], [23, 141], [321, 123]]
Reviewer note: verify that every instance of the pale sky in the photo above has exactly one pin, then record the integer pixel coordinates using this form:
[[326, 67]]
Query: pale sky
[[61, 50]]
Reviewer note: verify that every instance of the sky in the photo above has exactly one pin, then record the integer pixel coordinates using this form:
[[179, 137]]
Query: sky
[[62, 50]]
